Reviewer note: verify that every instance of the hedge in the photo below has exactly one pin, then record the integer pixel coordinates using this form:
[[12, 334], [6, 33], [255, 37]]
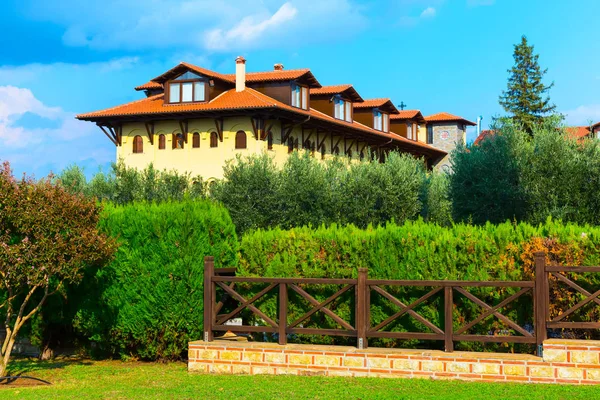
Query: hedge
[[419, 251], [149, 299]]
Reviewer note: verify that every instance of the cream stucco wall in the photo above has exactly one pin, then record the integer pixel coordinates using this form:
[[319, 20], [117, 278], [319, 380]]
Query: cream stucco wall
[[209, 162]]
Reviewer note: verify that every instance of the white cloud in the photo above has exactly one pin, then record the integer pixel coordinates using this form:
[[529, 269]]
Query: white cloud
[[583, 115], [429, 12], [16, 102], [250, 28], [164, 24]]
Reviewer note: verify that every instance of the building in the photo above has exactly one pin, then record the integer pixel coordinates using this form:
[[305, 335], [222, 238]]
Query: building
[[444, 131], [194, 120]]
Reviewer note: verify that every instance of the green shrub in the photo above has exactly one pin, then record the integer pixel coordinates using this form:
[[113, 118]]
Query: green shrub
[[419, 251], [148, 301], [123, 185], [306, 191], [513, 176]]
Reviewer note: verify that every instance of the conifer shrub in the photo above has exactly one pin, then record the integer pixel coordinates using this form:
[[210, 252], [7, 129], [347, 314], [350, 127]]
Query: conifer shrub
[[148, 303], [418, 250]]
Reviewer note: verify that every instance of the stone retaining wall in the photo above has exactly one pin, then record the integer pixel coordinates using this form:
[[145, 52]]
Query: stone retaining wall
[[564, 361]]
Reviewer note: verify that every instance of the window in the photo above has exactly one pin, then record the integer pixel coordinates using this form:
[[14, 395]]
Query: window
[[178, 141], [349, 153], [196, 140], [214, 139], [240, 140], [290, 144], [299, 96], [138, 144], [377, 120], [429, 134], [187, 88], [322, 152], [381, 121], [269, 141], [174, 91], [409, 132], [336, 151], [161, 142], [343, 109]]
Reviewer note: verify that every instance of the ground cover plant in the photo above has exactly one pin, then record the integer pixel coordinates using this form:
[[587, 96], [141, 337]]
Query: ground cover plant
[[84, 379]]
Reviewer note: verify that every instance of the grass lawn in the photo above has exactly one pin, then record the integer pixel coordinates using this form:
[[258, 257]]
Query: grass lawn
[[130, 380]]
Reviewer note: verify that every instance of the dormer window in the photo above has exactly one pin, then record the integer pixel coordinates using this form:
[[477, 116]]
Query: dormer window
[[299, 96], [342, 109], [187, 88], [381, 121]]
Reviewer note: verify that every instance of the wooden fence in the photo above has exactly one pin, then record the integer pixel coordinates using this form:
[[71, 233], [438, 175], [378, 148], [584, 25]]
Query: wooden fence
[[225, 280]]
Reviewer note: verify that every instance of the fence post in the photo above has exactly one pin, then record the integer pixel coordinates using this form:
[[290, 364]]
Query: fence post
[[209, 269], [361, 308], [541, 300], [283, 306], [448, 329]]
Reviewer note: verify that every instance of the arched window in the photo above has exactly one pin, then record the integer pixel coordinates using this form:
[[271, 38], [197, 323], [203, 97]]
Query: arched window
[[349, 153], [269, 141], [214, 139], [161, 142], [336, 151], [240, 140], [196, 140], [322, 152], [138, 144], [177, 141], [290, 144]]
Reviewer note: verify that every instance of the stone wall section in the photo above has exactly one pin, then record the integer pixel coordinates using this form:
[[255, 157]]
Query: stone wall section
[[446, 136], [564, 361]]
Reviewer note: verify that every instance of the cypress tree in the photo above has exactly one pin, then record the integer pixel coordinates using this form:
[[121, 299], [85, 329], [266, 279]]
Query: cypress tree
[[526, 97]]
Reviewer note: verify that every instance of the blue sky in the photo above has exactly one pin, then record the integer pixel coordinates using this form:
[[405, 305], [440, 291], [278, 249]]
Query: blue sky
[[63, 57]]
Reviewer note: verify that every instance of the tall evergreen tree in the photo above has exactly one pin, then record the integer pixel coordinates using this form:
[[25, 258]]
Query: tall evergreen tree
[[526, 97]]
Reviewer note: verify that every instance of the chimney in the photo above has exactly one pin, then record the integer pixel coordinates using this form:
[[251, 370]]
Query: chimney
[[479, 119], [240, 74], [278, 67]]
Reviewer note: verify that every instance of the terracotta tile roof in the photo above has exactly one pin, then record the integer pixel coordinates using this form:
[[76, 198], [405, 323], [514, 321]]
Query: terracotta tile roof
[[183, 66], [372, 103], [149, 85], [338, 89], [231, 100], [274, 76], [332, 89], [483, 135], [447, 117], [578, 132], [405, 114], [383, 103]]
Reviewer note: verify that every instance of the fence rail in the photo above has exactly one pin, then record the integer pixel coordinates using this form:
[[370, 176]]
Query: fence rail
[[364, 289]]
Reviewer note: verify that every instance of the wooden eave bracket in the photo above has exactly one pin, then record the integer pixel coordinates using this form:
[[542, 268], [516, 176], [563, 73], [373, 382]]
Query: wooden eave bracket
[[109, 134], [258, 127], [285, 132], [183, 124], [150, 131], [219, 127], [347, 146], [114, 133]]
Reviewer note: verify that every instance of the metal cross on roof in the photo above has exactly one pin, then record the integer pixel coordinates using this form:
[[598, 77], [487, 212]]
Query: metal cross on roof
[[402, 105]]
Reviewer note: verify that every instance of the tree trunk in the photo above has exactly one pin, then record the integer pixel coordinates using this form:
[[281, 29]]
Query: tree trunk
[[6, 356]]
